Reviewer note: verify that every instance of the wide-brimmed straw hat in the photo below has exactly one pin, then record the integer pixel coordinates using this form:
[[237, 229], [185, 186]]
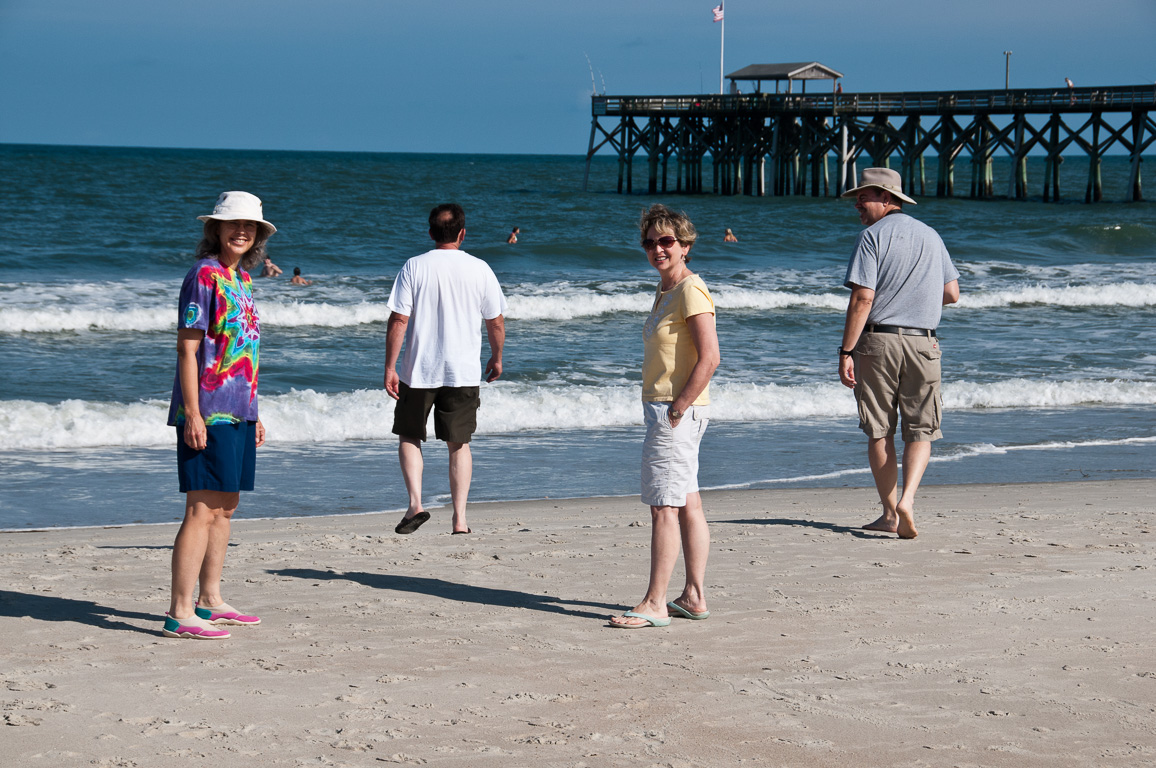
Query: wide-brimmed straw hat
[[238, 206], [881, 178]]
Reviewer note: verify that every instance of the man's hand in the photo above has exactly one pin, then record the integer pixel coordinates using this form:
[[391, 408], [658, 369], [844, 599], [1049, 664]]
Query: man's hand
[[496, 335], [858, 309], [391, 382], [394, 335], [260, 433], [493, 368], [847, 371]]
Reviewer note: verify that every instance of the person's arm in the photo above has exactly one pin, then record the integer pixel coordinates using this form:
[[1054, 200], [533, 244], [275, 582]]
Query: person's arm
[[188, 342], [951, 292], [705, 338], [857, 310], [496, 334], [394, 336]]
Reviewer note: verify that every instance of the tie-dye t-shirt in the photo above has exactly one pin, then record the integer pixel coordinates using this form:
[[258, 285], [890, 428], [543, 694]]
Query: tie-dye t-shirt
[[219, 301]]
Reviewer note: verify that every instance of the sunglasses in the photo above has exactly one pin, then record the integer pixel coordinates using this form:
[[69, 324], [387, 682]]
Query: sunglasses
[[666, 242]]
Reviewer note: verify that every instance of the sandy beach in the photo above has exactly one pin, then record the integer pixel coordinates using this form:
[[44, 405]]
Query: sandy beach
[[1019, 629]]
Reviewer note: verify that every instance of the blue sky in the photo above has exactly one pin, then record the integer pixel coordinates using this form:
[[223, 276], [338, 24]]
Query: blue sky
[[499, 75]]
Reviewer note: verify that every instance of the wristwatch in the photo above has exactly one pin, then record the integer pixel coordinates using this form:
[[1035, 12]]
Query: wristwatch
[[844, 352], [675, 415]]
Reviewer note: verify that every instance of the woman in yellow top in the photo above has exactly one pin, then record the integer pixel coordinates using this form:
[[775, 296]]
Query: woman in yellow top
[[680, 354]]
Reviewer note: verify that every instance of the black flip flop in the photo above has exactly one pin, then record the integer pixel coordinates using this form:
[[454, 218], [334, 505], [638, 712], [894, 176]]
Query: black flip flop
[[468, 530], [411, 524]]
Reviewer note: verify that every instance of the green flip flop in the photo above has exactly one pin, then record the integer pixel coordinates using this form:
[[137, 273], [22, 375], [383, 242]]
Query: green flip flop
[[651, 621], [687, 614]]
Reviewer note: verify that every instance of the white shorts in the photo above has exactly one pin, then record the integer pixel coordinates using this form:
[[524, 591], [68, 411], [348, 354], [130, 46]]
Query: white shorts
[[670, 456]]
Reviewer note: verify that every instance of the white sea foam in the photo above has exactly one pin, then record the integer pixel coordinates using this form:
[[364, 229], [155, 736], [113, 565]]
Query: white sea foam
[[1043, 393], [306, 416], [567, 303], [273, 313], [1111, 295], [136, 307], [961, 453], [573, 303], [62, 320]]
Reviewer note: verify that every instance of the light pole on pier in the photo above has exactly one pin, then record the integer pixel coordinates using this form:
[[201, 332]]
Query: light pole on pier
[[1007, 70]]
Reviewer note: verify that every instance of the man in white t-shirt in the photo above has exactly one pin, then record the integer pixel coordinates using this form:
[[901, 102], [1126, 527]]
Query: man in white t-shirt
[[436, 306]]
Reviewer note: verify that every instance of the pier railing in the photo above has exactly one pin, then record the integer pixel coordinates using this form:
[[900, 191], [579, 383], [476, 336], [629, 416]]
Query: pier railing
[[797, 133], [1009, 102]]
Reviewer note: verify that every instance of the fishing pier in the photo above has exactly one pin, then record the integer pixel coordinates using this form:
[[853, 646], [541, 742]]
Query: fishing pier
[[786, 143]]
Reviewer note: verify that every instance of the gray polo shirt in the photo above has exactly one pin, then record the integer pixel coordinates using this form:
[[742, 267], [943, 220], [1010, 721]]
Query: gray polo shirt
[[906, 263]]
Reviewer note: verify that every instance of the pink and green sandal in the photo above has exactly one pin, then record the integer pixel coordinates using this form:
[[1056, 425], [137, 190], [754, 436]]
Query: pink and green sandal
[[192, 628], [226, 614]]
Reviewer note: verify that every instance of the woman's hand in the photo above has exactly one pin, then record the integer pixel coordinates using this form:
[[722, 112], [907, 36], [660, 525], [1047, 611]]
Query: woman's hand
[[196, 436], [260, 433], [705, 338]]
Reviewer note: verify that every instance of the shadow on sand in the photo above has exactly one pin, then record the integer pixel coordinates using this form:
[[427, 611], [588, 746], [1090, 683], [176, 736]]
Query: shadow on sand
[[853, 531], [50, 608], [448, 590]]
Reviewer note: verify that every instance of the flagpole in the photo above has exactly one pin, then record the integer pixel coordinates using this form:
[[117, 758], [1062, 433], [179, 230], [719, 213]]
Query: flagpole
[[722, 31]]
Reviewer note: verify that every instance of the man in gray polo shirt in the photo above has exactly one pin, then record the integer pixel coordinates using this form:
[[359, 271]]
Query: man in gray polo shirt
[[900, 277]]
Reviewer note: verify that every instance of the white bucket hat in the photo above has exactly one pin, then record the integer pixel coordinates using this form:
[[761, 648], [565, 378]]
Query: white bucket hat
[[238, 206], [881, 178]]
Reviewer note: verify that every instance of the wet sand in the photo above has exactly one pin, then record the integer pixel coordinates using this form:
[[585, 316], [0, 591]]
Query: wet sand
[[1018, 629]]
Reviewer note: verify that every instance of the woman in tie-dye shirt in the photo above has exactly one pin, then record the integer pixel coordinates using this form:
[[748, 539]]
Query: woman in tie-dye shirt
[[214, 410]]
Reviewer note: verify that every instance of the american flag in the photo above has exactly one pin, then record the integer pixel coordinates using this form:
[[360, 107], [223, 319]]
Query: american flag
[[718, 12]]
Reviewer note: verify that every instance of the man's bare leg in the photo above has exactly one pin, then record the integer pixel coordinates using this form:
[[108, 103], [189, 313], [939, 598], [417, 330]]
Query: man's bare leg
[[412, 464], [461, 474], [885, 470], [915, 458]]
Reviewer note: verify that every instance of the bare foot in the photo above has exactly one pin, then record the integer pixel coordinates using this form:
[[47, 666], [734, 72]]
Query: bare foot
[[906, 526], [884, 523]]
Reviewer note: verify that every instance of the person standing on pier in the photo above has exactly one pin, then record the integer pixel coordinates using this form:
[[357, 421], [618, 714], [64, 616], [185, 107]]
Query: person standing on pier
[[900, 276], [436, 305]]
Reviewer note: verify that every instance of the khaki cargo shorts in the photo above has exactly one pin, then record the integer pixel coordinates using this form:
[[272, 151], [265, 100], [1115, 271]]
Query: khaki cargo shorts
[[898, 375]]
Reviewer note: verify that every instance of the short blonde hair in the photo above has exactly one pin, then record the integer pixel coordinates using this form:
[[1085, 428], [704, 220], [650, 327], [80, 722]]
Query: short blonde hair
[[666, 219]]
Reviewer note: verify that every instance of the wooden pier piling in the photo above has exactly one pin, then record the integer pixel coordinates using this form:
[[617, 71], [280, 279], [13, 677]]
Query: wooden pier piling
[[780, 144]]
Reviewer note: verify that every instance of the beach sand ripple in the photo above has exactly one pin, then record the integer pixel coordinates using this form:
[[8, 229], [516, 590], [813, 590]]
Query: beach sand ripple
[[1017, 630]]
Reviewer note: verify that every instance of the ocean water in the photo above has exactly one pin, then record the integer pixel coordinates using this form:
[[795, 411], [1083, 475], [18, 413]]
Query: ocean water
[[1049, 358]]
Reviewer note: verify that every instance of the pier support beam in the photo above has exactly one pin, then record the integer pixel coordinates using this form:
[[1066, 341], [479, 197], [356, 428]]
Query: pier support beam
[[796, 135], [1139, 120]]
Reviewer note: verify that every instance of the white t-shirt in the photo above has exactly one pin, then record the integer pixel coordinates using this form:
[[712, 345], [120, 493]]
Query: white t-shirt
[[446, 293]]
